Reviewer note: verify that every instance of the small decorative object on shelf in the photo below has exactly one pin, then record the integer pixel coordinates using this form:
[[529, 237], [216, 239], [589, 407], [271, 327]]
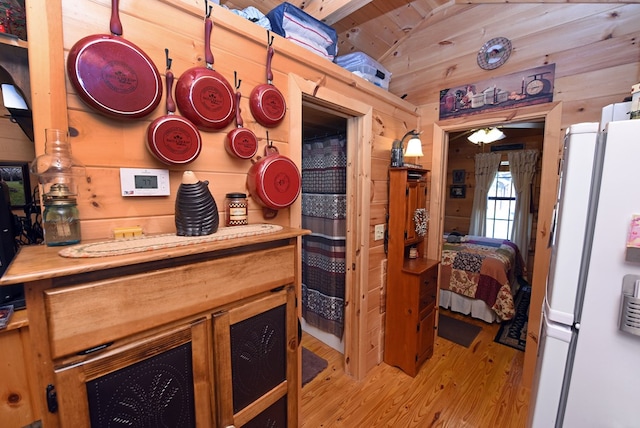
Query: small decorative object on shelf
[[5, 315], [421, 217], [196, 212]]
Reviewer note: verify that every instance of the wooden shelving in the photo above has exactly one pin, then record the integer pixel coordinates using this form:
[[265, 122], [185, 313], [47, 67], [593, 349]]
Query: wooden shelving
[[412, 279]]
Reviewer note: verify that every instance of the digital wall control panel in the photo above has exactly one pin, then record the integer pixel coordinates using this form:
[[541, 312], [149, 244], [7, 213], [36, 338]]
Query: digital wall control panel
[[144, 182]]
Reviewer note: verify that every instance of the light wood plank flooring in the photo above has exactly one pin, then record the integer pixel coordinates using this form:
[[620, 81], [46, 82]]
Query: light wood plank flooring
[[475, 387]]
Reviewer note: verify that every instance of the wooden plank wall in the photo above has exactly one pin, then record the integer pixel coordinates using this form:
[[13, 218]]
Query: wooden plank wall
[[594, 48], [104, 145]]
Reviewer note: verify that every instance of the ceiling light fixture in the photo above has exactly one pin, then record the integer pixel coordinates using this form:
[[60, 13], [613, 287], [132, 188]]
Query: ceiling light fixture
[[486, 136]]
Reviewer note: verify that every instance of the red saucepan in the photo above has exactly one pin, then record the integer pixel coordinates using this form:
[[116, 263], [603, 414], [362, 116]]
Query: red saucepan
[[241, 142], [267, 103], [113, 75], [274, 181], [172, 139], [203, 95]]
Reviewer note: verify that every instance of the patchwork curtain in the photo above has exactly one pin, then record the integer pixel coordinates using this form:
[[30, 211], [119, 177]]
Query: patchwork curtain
[[324, 210]]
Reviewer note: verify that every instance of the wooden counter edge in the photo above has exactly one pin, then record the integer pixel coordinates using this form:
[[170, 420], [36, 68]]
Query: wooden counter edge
[[41, 262]]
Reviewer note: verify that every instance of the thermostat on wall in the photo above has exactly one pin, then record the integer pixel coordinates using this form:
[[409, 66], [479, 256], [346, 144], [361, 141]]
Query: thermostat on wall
[[144, 182]]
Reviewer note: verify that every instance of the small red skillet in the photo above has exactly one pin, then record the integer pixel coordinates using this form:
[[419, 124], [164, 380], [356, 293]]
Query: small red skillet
[[203, 95], [266, 101], [241, 142], [113, 75], [172, 139]]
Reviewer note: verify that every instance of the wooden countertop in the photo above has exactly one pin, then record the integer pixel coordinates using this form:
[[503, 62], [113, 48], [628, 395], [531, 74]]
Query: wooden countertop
[[38, 262]]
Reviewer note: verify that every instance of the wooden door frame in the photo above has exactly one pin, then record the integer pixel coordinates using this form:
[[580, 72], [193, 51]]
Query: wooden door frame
[[552, 148], [359, 147]]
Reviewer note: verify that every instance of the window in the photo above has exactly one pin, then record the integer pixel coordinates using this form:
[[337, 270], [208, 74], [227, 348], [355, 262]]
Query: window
[[501, 204], [16, 176]]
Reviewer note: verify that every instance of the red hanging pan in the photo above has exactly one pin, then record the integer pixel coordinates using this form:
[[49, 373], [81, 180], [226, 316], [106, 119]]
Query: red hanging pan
[[172, 139], [241, 142], [267, 103], [113, 75], [203, 95], [274, 181]]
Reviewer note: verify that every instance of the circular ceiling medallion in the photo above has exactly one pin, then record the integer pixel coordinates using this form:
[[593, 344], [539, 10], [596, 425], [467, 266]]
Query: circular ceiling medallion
[[494, 53]]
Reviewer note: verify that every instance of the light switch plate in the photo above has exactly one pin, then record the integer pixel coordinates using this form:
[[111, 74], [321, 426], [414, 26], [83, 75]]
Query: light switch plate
[[378, 232]]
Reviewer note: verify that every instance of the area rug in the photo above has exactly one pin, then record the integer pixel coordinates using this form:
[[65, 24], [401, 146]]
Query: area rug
[[457, 331], [312, 365], [513, 333]]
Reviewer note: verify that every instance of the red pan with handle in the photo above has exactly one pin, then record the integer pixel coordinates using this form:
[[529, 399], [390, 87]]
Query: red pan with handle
[[266, 101], [274, 181], [241, 142], [171, 138], [113, 75], [203, 95]]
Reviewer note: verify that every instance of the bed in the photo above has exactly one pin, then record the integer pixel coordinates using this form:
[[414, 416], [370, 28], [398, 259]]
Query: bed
[[478, 276]]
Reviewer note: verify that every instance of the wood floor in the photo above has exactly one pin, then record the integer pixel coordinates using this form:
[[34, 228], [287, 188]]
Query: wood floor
[[475, 387]]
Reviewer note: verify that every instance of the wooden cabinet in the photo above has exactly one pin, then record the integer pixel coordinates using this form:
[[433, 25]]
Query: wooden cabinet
[[412, 279], [167, 335], [18, 406]]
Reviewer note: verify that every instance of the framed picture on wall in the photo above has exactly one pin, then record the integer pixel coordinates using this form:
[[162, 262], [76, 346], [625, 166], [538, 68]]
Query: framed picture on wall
[[458, 176], [458, 191], [16, 177]]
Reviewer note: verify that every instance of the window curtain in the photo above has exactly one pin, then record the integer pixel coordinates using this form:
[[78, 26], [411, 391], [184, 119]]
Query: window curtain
[[324, 211], [487, 165], [523, 168]]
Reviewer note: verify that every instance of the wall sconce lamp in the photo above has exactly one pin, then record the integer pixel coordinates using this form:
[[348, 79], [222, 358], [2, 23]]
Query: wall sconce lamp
[[414, 149], [486, 136]]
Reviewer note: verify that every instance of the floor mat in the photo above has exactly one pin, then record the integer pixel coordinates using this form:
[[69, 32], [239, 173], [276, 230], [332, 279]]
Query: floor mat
[[457, 331], [513, 333], [312, 365]]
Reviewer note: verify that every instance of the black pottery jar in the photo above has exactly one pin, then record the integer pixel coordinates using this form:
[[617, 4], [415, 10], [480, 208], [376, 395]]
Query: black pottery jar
[[196, 210]]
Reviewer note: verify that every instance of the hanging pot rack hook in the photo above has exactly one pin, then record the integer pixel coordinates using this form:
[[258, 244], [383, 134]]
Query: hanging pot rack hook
[[269, 38], [207, 9], [169, 60], [236, 80], [269, 142]]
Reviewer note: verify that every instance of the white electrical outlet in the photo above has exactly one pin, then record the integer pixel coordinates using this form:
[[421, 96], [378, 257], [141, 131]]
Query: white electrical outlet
[[378, 232]]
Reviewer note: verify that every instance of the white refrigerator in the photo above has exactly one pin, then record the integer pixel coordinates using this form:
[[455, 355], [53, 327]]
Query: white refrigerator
[[588, 370]]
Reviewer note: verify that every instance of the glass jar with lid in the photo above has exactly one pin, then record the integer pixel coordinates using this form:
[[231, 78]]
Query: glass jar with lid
[[236, 209], [60, 218]]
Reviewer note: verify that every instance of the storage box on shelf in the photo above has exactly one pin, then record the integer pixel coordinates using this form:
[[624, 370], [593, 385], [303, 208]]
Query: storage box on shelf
[[366, 67], [304, 30], [412, 279]]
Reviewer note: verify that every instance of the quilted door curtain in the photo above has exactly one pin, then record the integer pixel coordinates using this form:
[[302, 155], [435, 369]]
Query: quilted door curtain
[[324, 209]]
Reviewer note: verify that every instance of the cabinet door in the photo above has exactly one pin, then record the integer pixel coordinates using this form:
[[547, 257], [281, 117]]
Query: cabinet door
[[255, 362], [426, 336], [416, 198], [151, 382]]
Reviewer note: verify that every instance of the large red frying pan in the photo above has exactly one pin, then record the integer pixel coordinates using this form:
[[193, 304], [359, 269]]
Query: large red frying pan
[[172, 139], [241, 142], [274, 181], [113, 75], [267, 103], [203, 95]]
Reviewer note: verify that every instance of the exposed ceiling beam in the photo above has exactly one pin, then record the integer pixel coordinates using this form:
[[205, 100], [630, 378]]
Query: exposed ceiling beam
[[331, 11]]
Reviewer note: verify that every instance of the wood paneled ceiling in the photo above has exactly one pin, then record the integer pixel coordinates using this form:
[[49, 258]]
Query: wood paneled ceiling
[[430, 45]]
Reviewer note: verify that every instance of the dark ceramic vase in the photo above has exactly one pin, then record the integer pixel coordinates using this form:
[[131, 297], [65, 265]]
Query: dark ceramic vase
[[196, 210]]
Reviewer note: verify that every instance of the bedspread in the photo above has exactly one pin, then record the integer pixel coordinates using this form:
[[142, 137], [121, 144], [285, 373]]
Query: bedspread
[[483, 268]]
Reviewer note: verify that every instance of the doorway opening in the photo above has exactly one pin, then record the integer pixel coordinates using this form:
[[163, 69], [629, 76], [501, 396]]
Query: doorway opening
[[551, 114], [324, 213]]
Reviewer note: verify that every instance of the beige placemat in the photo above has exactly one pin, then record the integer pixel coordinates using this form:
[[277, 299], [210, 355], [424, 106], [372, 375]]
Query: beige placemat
[[157, 242]]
